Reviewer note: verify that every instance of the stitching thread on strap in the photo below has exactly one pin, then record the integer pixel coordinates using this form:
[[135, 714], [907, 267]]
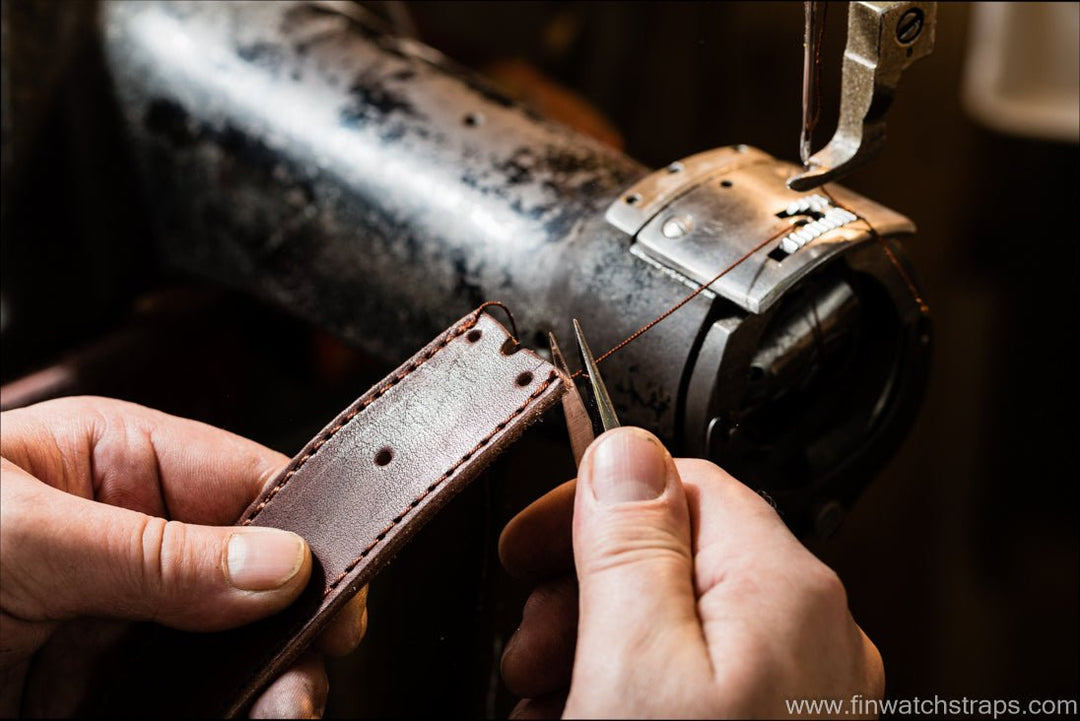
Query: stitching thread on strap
[[437, 482], [447, 338]]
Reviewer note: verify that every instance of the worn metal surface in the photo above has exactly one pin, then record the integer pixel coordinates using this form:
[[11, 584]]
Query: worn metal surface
[[704, 213], [372, 187]]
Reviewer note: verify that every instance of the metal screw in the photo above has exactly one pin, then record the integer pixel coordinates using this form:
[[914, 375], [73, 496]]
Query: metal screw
[[677, 227], [910, 25]]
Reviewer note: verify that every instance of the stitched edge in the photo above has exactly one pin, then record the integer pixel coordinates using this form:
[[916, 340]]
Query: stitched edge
[[437, 482], [448, 337]]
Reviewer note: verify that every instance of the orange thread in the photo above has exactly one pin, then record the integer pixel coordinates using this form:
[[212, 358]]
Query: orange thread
[[701, 288], [916, 296], [870, 228], [900, 269], [509, 315]]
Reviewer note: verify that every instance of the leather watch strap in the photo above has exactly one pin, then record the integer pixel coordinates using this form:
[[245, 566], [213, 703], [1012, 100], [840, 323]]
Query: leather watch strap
[[357, 492]]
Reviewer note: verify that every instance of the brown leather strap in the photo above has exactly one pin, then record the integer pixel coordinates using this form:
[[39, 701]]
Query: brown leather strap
[[374, 475], [357, 492]]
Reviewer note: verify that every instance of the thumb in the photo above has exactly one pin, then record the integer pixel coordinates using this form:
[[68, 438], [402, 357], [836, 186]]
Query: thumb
[[67, 556], [633, 556]]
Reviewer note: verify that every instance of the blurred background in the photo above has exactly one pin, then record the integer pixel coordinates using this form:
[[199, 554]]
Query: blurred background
[[960, 559]]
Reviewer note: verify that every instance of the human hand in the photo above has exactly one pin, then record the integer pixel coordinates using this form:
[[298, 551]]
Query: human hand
[[86, 486], [691, 597]]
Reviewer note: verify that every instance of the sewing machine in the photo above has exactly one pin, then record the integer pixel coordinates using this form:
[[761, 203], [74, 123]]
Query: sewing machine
[[298, 152], [304, 155]]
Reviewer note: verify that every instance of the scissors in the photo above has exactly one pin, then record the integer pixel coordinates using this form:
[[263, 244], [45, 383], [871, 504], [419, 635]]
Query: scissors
[[589, 413]]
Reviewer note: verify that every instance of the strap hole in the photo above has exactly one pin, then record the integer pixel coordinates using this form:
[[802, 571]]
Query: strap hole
[[524, 378], [474, 335], [726, 183], [384, 456], [510, 346]]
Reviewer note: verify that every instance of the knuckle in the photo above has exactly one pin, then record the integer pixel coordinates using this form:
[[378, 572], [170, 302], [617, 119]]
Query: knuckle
[[626, 545], [825, 592], [701, 464], [151, 552], [875, 667], [702, 470], [711, 478], [829, 587], [164, 562], [552, 594]]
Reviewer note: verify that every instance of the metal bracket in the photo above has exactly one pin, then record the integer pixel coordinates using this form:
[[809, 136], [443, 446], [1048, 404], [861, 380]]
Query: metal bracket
[[703, 213], [883, 39]]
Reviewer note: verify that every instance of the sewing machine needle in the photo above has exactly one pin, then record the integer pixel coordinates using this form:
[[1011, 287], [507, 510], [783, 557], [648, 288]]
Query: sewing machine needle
[[811, 100]]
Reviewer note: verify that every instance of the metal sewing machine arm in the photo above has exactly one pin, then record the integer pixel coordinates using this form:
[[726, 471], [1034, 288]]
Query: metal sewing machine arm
[[883, 39], [292, 151]]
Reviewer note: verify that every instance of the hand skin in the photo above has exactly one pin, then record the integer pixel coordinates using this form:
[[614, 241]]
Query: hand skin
[[690, 597], [109, 510]]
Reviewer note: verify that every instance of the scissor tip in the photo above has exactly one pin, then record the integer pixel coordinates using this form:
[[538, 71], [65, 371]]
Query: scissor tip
[[556, 354], [600, 396], [579, 334]]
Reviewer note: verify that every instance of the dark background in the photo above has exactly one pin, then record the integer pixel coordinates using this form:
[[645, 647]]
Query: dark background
[[960, 559]]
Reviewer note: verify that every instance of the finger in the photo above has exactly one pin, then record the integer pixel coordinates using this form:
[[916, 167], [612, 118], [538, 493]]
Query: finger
[[300, 692], [550, 706], [756, 580], [537, 543], [347, 629], [733, 510], [737, 534], [634, 565], [65, 556], [539, 658], [127, 455], [875, 668]]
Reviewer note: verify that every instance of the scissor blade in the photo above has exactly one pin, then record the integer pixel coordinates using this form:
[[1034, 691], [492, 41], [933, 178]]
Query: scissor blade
[[578, 422], [604, 407]]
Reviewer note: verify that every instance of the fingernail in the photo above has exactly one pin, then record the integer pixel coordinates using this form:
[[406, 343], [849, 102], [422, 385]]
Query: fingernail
[[628, 465], [263, 559]]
